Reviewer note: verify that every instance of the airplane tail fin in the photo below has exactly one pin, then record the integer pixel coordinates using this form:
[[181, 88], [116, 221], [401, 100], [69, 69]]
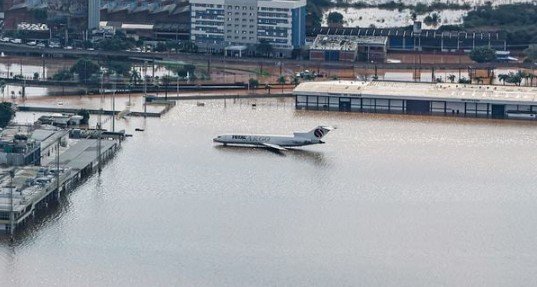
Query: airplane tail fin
[[317, 133]]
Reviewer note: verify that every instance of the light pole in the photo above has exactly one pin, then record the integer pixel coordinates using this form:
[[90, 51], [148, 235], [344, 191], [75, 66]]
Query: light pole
[[11, 203]]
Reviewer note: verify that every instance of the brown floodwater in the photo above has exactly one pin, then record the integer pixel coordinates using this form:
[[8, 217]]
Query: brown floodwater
[[388, 201]]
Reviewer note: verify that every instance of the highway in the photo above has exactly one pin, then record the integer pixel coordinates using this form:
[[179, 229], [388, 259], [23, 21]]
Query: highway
[[21, 49]]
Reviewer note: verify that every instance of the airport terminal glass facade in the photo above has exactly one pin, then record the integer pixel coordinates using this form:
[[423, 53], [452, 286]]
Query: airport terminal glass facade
[[385, 105]]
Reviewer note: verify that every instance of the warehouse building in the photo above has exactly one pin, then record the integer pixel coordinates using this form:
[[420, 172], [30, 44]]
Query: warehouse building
[[419, 98], [349, 48], [401, 39]]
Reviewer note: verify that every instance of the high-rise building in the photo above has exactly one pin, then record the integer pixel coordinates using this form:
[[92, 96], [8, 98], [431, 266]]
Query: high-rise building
[[218, 24]]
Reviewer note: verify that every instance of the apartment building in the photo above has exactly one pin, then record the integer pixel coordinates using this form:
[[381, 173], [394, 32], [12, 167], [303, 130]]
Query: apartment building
[[238, 25]]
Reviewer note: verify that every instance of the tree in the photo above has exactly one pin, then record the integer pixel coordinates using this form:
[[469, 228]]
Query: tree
[[6, 114], [40, 15], [264, 48], [161, 47], [135, 77], [85, 68], [451, 78], [116, 43], [531, 53], [464, 80], [2, 88], [184, 71], [63, 75], [166, 80], [85, 116], [432, 20], [335, 18], [282, 81], [120, 67], [187, 47], [253, 83], [36, 76], [483, 55], [503, 78], [296, 81]]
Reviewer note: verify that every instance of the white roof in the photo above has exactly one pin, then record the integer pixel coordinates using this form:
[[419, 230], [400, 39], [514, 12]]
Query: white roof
[[422, 91]]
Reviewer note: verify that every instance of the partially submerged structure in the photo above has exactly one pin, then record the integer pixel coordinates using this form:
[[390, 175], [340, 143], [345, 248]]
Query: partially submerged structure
[[419, 98]]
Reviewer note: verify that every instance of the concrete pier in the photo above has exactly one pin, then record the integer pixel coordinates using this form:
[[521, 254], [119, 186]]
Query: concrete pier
[[27, 189]]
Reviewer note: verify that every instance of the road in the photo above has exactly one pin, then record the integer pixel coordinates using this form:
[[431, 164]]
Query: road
[[141, 56]]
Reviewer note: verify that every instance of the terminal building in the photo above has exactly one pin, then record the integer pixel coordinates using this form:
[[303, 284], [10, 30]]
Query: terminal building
[[419, 98], [239, 25]]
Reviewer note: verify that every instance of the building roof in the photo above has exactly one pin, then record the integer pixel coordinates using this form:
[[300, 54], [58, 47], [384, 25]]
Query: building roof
[[402, 32], [345, 43], [422, 91]]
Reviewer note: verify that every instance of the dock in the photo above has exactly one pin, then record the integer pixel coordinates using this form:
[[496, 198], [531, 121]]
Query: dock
[[26, 190], [42, 109]]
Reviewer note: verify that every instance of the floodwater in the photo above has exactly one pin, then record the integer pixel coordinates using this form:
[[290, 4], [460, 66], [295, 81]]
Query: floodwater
[[388, 201]]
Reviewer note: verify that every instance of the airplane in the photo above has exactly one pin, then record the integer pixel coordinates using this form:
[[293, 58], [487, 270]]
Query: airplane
[[277, 142]]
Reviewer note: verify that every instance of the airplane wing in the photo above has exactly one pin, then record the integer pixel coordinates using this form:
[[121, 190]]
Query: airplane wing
[[274, 146]]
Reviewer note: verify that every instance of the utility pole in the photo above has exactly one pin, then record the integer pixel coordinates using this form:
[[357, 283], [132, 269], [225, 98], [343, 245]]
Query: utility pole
[[43, 73], [114, 108], [58, 166], [145, 88], [11, 203], [99, 136]]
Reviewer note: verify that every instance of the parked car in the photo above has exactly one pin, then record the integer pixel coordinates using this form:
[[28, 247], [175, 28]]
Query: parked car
[[31, 43], [16, 41]]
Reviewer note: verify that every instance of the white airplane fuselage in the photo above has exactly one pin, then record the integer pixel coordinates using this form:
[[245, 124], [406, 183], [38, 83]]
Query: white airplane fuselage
[[261, 140], [278, 142]]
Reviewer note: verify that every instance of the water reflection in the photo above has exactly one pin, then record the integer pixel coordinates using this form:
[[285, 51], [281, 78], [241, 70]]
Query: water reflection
[[315, 157]]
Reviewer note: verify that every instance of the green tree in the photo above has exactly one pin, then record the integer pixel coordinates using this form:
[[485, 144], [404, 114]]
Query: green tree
[[483, 55], [451, 78], [85, 68], [117, 43], [185, 70], [63, 75], [40, 15], [6, 114], [335, 18], [2, 88], [282, 80], [503, 78], [161, 47], [85, 116], [531, 53], [432, 20], [166, 80], [187, 47], [253, 83], [296, 81], [120, 67]]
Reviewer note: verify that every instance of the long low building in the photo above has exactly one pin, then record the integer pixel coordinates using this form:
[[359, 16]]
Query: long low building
[[419, 98]]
